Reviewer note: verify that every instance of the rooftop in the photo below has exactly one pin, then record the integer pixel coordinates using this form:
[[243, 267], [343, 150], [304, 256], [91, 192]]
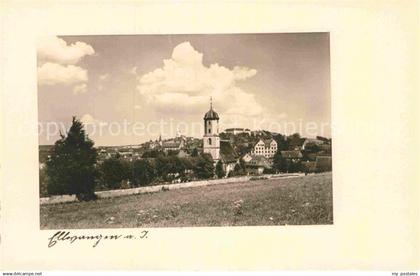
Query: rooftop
[[211, 114], [291, 154]]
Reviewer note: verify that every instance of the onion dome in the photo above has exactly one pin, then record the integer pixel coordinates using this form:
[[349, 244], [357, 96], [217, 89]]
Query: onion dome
[[211, 114]]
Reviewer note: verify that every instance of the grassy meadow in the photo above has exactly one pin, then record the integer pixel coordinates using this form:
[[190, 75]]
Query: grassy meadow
[[293, 201]]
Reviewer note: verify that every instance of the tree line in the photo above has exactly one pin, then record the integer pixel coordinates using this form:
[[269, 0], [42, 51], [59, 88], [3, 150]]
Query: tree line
[[72, 168], [115, 173]]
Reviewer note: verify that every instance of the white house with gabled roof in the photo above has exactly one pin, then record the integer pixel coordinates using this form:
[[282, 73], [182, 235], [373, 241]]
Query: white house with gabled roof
[[265, 147]]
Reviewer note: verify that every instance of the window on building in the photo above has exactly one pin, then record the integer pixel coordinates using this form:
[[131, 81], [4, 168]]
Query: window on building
[[209, 141]]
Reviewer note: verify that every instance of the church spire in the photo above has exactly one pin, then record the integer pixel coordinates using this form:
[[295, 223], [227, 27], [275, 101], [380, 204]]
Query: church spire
[[211, 114]]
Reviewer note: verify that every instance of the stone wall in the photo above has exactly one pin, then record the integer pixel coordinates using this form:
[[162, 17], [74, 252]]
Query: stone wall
[[142, 190], [157, 188]]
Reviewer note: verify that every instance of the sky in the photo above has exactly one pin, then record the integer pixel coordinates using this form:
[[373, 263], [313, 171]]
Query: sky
[[128, 89]]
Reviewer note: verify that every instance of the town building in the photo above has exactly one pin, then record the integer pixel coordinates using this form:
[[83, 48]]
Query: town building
[[311, 142], [265, 147], [247, 157], [154, 145], [211, 139], [257, 164], [220, 150], [173, 145], [235, 131], [292, 155]]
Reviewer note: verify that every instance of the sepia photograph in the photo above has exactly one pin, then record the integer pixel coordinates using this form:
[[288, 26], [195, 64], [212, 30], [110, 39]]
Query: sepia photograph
[[184, 130], [209, 136]]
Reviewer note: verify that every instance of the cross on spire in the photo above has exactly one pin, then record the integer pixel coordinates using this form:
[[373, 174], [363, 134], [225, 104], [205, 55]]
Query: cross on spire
[[211, 102]]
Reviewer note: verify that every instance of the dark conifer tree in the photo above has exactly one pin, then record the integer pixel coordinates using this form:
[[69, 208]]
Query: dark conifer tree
[[71, 166]]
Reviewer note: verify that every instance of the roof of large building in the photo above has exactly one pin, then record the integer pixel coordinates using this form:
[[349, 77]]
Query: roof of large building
[[258, 161], [267, 142]]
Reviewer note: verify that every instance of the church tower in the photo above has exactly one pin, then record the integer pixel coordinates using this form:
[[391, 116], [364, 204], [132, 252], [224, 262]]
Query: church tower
[[211, 140]]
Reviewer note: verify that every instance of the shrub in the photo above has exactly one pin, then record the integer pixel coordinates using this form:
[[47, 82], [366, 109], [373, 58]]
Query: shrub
[[203, 167], [220, 172], [125, 184], [143, 173], [194, 152], [112, 172], [269, 171]]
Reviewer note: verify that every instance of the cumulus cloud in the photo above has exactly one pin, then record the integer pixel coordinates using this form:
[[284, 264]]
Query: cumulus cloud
[[242, 73], [80, 89], [54, 73], [184, 84], [57, 63], [54, 49]]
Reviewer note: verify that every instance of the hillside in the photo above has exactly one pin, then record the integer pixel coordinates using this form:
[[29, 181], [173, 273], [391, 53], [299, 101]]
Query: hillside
[[302, 200]]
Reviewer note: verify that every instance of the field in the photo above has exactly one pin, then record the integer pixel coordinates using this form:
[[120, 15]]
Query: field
[[294, 201]]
